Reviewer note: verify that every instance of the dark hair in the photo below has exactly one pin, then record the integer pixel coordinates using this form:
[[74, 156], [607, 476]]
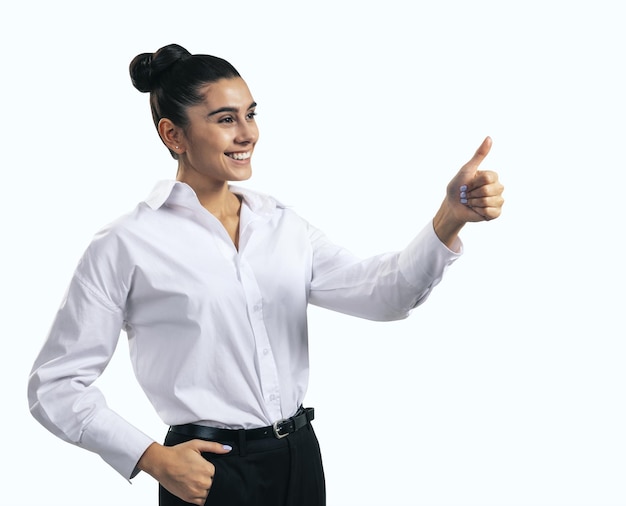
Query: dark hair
[[173, 77]]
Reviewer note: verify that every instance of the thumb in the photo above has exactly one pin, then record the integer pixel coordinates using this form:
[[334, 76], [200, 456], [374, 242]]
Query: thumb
[[479, 156], [203, 446]]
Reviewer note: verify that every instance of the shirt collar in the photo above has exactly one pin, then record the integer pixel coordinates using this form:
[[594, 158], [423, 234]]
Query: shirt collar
[[181, 194]]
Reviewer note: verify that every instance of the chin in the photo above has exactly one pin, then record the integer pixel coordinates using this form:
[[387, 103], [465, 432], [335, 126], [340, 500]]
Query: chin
[[243, 175]]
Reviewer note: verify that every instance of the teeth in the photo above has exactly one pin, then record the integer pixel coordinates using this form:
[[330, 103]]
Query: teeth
[[240, 156]]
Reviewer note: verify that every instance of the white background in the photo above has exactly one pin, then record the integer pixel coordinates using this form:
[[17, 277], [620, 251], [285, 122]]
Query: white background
[[508, 386]]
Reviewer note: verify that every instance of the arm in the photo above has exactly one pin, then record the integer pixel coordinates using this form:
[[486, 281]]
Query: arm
[[384, 287], [82, 339], [61, 393], [63, 397], [389, 286]]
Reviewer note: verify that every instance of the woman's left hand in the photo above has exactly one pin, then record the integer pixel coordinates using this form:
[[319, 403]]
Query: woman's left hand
[[472, 195]]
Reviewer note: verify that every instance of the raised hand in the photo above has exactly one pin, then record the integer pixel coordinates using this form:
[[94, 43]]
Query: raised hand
[[472, 195]]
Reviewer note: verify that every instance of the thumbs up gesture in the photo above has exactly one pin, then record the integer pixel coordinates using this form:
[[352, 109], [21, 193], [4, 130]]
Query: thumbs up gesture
[[472, 195]]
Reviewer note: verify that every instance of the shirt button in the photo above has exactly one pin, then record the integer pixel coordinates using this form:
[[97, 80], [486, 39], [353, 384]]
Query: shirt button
[[257, 308], [272, 397], [265, 351]]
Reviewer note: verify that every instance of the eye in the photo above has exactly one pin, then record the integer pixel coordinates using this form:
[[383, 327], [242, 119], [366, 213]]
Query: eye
[[226, 119]]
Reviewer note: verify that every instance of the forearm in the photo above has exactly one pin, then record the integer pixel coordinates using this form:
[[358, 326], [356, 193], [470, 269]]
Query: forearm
[[384, 287]]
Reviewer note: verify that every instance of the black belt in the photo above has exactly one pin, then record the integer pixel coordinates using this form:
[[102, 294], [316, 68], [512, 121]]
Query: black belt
[[278, 430]]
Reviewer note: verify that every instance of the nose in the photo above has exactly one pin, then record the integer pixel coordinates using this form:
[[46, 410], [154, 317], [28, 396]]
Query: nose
[[247, 132]]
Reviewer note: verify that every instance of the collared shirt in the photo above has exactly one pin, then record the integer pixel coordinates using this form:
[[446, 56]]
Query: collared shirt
[[218, 335]]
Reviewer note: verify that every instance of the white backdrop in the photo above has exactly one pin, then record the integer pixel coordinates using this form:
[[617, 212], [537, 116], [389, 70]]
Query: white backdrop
[[507, 387]]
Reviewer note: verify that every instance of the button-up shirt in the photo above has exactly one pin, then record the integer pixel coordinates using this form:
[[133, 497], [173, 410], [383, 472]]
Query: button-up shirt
[[218, 335]]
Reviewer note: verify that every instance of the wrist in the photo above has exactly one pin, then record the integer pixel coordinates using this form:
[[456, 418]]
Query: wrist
[[150, 458], [446, 225]]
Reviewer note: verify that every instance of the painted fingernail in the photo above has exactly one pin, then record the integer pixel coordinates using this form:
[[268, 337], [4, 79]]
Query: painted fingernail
[[463, 201], [463, 188], [227, 447], [463, 195]]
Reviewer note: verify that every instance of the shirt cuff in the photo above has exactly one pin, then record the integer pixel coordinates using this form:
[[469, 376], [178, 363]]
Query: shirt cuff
[[426, 258], [119, 443]]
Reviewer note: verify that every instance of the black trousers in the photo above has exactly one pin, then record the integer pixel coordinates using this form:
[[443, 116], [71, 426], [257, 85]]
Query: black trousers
[[264, 472]]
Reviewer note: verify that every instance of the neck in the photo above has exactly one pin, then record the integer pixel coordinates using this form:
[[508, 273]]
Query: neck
[[217, 199], [215, 196], [220, 202]]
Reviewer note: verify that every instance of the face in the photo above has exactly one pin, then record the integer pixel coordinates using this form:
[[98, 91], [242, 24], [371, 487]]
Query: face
[[221, 136]]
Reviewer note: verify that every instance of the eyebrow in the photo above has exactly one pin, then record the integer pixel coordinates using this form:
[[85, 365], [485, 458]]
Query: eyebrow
[[231, 109]]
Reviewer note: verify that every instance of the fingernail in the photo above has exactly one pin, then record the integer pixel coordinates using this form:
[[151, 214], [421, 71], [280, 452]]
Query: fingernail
[[463, 195], [463, 188], [463, 201], [227, 447]]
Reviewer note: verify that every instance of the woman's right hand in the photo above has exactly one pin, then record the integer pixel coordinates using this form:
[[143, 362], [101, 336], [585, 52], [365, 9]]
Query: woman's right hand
[[181, 469]]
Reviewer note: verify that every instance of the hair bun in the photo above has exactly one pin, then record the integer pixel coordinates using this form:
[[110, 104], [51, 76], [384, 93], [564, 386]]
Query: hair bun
[[146, 69]]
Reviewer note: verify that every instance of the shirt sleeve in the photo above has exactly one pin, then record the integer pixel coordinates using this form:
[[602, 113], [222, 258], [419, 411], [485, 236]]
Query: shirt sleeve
[[384, 287], [61, 393]]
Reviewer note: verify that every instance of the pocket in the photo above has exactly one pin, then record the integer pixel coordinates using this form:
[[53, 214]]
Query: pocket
[[229, 483], [214, 490], [223, 491]]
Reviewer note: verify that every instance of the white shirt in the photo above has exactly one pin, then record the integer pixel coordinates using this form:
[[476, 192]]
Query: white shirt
[[218, 336]]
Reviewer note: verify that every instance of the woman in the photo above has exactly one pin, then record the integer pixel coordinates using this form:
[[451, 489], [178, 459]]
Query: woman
[[211, 283]]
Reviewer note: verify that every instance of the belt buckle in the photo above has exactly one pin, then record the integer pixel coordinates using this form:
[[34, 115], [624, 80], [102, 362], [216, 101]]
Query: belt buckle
[[277, 429]]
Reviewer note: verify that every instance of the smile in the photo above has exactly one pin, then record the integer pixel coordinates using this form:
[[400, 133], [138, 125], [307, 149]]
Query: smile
[[239, 156]]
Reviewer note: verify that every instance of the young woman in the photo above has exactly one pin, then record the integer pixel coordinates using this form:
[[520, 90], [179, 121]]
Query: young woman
[[211, 284]]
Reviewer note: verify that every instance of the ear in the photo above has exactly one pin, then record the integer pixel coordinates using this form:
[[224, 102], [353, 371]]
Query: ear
[[172, 136]]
